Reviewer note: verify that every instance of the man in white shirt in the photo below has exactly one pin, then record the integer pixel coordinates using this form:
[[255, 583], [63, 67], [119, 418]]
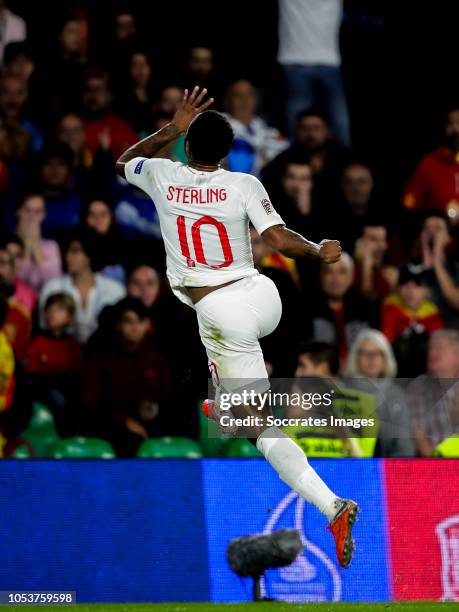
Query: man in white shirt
[[204, 212], [255, 142], [12, 28], [310, 57]]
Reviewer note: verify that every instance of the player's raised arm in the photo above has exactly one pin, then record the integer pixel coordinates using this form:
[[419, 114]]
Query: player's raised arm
[[292, 244], [192, 104]]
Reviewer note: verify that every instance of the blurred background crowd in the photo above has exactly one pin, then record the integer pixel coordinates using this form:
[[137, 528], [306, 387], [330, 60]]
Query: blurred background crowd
[[89, 326]]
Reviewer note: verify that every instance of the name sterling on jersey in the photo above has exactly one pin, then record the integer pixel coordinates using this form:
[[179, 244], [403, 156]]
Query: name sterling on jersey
[[191, 195]]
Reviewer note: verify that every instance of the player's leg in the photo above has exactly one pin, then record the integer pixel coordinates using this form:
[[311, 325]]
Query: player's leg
[[231, 320]]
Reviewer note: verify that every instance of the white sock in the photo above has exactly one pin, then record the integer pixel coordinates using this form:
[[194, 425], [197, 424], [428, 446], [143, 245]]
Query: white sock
[[289, 461]]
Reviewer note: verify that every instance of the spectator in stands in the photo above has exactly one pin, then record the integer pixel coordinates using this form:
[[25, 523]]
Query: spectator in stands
[[373, 278], [355, 203], [18, 61], [17, 326], [103, 127], [169, 99], [57, 183], [55, 360], [255, 143], [432, 397], [200, 70], [40, 259], [313, 143], [99, 219], [11, 254], [434, 182], [64, 71], [337, 312], [409, 309], [123, 43], [90, 290], [408, 317], [13, 99], [440, 260], [90, 170], [294, 199], [7, 362], [12, 26], [144, 284], [71, 132], [125, 389], [15, 400], [317, 372], [134, 100], [372, 367], [310, 57]]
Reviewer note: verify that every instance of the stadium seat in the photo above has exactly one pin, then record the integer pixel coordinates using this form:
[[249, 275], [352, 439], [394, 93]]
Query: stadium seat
[[211, 440], [40, 433], [22, 449], [240, 447], [82, 448], [176, 448]]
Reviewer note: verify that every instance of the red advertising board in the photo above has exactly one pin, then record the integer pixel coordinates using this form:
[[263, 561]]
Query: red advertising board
[[423, 528]]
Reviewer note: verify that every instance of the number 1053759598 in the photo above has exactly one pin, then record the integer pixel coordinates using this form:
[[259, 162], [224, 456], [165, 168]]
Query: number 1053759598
[[48, 598]]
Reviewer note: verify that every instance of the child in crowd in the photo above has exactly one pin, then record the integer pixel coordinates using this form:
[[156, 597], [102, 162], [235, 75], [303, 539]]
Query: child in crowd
[[409, 308], [55, 359], [408, 317]]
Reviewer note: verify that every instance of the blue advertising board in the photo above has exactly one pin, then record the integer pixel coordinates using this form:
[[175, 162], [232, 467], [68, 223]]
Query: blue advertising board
[[243, 497], [109, 530], [141, 530]]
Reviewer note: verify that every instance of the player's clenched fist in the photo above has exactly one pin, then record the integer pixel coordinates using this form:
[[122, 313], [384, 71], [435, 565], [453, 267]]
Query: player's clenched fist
[[330, 251]]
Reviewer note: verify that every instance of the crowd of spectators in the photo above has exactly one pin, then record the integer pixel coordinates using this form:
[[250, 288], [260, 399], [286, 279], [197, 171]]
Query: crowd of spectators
[[88, 323]]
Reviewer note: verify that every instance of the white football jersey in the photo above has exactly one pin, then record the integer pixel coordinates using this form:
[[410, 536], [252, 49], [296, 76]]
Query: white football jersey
[[204, 218]]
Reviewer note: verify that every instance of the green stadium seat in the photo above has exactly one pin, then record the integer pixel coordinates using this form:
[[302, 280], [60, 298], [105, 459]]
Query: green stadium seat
[[41, 432], [22, 451], [42, 417], [241, 447], [211, 440], [82, 448], [175, 448]]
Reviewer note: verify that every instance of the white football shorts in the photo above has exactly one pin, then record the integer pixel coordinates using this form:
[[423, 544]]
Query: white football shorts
[[231, 321]]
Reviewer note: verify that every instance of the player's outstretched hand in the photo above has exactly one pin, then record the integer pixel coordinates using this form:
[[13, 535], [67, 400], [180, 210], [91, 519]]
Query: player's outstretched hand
[[192, 104], [330, 251]]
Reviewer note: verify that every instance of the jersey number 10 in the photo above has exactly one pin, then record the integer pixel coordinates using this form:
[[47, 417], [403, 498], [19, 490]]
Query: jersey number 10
[[197, 242]]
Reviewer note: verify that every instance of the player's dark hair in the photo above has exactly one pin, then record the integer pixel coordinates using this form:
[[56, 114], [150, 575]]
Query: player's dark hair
[[321, 352], [210, 137]]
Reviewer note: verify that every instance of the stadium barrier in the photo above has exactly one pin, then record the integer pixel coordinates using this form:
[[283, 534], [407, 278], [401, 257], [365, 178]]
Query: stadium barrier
[[143, 530]]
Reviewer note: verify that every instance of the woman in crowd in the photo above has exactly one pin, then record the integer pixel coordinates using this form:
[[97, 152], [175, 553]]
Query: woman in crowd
[[41, 258], [135, 97], [372, 367], [90, 290], [99, 219]]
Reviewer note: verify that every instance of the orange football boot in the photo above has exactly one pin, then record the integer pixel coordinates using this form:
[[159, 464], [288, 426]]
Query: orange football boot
[[341, 528]]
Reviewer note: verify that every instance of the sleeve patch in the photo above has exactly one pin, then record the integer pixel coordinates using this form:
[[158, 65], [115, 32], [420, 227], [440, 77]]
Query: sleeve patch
[[269, 209], [138, 167]]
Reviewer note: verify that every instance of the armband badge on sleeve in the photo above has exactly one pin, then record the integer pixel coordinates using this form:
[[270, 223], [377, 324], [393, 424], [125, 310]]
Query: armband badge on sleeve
[[267, 206]]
